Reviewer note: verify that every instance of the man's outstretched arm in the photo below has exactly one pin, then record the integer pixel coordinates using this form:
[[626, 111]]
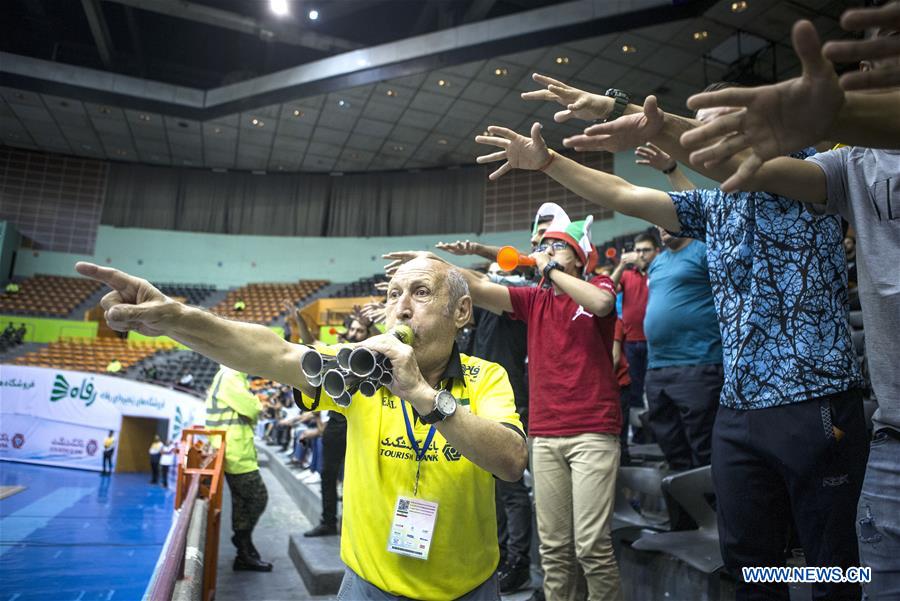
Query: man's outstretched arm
[[134, 304], [598, 187]]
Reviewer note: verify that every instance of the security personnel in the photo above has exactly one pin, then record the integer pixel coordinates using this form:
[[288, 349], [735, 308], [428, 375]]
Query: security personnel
[[230, 406]]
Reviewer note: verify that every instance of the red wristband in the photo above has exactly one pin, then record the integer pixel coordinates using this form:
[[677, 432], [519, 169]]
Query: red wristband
[[549, 161]]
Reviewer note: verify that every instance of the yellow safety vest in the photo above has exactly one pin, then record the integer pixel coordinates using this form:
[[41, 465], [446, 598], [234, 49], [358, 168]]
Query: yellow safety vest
[[230, 406]]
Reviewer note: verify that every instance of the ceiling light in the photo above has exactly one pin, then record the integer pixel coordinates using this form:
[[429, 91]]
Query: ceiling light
[[699, 36], [443, 83], [739, 6], [343, 104], [104, 110], [442, 142], [313, 15], [391, 93], [297, 113], [279, 7], [562, 60], [256, 122], [628, 49], [281, 167], [144, 117], [500, 71], [397, 147], [217, 130]]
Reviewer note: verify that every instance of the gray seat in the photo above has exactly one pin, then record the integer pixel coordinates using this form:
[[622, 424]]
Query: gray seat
[[644, 483], [856, 320], [697, 548], [646, 452]]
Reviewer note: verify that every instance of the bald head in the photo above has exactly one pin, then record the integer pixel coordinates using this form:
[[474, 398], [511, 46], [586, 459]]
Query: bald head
[[445, 278]]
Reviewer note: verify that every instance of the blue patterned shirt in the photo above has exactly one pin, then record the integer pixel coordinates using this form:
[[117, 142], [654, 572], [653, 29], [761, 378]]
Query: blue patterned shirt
[[779, 281]]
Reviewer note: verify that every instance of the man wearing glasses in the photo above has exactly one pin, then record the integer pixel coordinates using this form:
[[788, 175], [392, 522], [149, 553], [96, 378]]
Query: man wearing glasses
[[574, 413], [633, 283]]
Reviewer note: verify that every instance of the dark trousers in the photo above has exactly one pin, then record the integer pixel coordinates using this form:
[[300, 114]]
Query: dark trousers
[[334, 447], [154, 469], [165, 476], [803, 462], [682, 403], [107, 460], [249, 498], [514, 522], [636, 353], [625, 404]]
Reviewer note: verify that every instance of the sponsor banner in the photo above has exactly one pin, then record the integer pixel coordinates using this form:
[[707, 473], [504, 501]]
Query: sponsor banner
[[90, 400], [34, 439]]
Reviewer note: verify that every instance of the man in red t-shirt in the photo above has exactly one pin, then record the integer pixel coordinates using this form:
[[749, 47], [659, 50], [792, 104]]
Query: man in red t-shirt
[[633, 285], [575, 416]]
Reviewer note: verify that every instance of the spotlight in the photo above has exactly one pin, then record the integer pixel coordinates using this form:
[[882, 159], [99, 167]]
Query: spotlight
[[297, 113], [279, 7], [562, 60], [144, 117], [257, 122], [500, 71], [443, 83], [739, 6], [628, 49], [391, 93], [313, 15], [104, 110], [699, 36], [442, 142], [397, 148], [343, 104]]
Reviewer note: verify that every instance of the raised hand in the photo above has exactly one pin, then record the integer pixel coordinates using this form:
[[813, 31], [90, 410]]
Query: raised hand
[[773, 120], [374, 312], [578, 103], [652, 155], [887, 19], [133, 304], [398, 258], [624, 133], [518, 151], [382, 286], [459, 248]]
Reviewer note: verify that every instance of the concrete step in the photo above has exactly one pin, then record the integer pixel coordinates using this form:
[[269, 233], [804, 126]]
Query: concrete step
[[318, 561]]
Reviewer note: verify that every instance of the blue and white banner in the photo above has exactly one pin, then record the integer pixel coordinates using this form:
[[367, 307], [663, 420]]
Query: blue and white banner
[[57, 417]]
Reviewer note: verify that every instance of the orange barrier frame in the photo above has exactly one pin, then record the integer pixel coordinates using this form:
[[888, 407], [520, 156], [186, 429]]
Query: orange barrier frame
[[196, 460]]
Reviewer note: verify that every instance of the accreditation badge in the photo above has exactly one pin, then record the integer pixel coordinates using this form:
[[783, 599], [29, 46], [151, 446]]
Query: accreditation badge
[[412, 527]]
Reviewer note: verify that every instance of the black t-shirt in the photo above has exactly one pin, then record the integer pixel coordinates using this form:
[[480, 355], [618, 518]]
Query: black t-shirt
[[501, 339]]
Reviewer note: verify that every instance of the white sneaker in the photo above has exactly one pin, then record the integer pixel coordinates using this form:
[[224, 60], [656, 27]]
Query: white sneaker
[[313, 478]]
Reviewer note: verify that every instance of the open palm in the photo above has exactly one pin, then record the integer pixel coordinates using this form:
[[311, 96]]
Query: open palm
[[518, 151]]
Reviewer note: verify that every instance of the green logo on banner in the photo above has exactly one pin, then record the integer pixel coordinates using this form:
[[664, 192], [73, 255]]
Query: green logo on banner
[[62, 389]]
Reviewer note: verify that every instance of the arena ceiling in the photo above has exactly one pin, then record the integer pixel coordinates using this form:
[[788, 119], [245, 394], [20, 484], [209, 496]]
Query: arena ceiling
[[370, 85]]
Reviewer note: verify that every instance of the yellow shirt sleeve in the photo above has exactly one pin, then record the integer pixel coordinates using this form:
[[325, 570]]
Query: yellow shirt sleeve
[[491, 395]]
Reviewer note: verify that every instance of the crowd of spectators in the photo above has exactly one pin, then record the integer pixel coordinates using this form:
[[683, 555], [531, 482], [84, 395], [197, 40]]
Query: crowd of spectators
[[733, 342]]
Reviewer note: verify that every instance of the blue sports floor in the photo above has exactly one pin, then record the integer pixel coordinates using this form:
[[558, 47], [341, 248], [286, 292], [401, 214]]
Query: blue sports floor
[[74, 535]]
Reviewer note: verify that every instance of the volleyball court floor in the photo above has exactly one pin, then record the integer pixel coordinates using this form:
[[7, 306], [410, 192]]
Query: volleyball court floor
[[73, 535]]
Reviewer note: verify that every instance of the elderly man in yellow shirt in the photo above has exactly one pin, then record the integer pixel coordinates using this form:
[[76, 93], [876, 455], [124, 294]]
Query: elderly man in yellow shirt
[[419, 510]]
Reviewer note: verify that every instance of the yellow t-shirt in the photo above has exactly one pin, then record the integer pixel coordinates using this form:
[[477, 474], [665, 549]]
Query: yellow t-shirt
[[381, 465], [108, 442]]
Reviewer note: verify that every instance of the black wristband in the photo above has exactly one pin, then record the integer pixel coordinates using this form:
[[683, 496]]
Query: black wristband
[[671, 169]]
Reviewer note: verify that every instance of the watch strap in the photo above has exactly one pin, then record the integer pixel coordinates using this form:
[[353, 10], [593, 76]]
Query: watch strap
[[620, 99]]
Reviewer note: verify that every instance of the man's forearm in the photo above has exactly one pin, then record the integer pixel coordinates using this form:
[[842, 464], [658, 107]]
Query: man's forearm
[[244, 347], [616, 276], [679, 181], [869, 120], [488, 444], [487, 251], [587, 295]]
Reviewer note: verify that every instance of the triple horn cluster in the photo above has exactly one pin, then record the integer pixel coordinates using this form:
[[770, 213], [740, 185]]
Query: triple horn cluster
[[351, 369]]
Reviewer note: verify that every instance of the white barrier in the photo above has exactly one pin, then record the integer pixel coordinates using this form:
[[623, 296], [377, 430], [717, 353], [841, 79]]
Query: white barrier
[[60, 417]]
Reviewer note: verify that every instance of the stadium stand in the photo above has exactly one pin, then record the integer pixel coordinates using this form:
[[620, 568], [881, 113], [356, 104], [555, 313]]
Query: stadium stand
[[171, 367], [192, 294], [361, 287], [91, 354], [263, 302], [48, 296]]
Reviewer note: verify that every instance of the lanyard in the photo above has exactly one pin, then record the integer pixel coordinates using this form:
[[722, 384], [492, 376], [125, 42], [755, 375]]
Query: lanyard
[[420, 453]]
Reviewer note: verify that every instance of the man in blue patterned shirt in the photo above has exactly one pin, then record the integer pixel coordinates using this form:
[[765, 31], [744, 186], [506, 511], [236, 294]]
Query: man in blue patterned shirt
[[789, 442]]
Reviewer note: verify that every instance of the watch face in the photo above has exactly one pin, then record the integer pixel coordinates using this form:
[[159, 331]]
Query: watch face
[[446, 403]]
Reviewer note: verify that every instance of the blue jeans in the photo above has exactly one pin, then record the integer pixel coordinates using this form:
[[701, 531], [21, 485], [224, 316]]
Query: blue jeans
[[354, 588], [878, 526]]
